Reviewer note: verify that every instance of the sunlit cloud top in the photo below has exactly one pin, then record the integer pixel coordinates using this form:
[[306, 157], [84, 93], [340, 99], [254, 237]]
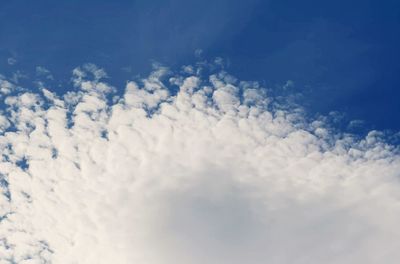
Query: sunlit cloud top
[[189, 166]]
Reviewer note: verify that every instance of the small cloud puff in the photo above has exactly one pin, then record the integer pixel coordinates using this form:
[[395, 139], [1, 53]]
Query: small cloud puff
[[11, 61]]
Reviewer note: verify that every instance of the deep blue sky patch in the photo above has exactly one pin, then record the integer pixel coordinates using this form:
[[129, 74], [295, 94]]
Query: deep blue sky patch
[[341, 56]]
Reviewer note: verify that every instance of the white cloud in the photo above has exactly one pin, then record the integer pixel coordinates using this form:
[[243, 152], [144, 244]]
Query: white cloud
[[11, 61], [217, 173], [6, 87], [44, 73]]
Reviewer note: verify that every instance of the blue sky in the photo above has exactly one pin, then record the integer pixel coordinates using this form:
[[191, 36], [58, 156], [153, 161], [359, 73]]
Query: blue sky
[[341, 57]]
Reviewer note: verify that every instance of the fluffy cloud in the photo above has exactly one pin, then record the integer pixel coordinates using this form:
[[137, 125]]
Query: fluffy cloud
[[217, 172]]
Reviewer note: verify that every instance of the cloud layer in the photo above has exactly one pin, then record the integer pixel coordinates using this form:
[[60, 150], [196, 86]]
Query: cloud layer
[[216, 172]]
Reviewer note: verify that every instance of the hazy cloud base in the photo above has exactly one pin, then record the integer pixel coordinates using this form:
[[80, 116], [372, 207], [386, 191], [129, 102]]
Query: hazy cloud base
[[218, 172]]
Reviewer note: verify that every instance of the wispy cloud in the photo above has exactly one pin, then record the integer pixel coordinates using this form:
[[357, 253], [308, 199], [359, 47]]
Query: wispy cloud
[[11, 61]]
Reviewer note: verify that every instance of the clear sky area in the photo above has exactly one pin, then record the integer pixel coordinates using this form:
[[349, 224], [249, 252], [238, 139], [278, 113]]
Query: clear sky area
[[340, 55]]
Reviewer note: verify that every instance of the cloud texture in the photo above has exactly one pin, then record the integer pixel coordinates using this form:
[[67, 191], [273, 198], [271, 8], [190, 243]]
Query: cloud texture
[[216, 172]]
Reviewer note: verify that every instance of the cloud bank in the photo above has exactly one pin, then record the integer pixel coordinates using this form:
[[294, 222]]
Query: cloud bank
[[188, 167]]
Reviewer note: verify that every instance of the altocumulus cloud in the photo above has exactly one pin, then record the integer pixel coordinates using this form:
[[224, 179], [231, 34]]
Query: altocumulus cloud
[[215, 172]]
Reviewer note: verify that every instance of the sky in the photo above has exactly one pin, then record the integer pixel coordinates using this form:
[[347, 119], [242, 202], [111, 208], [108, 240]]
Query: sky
[[341, 57], [163, 132]]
